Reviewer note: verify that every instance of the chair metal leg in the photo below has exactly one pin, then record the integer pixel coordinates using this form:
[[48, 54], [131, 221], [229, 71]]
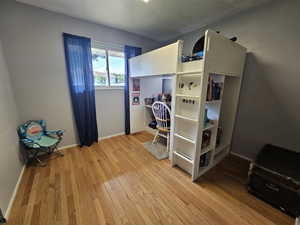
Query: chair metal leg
[[49, 151], [2, 219], [42, 164], [39, 162], [60, 153]]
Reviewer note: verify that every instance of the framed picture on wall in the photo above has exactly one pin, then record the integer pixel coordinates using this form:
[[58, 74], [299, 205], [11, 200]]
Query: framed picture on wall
[[136, 84], [135, 98]]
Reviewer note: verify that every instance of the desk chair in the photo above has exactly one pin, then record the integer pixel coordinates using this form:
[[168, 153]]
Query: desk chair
[[162, 114], [37, 139]]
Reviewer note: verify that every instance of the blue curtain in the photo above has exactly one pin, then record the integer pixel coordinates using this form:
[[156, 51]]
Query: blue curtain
[[129, 53], [81, 82]]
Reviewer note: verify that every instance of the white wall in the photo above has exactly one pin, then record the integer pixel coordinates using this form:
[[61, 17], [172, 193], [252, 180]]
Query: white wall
[[110, 112], [150, 86], [269, 105], [10, 165], [32, 40]]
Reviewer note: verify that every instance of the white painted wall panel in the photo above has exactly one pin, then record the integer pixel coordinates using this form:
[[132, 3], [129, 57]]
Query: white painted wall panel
[[160, 61], [10, 165], [33, 47], [222, 56]]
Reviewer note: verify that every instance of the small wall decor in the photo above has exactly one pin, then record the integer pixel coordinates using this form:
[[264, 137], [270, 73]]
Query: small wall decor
[[136, 98], [188, 101], [188, 85], [136, 84]]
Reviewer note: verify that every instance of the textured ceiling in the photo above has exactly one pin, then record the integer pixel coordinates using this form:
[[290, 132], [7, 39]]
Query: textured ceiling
[[158, 19]]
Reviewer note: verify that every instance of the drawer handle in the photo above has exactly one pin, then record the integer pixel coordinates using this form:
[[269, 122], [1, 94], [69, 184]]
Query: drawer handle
[[272, 187]]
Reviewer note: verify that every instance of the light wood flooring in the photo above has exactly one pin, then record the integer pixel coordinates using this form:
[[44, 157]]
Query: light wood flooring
[[118, 182]]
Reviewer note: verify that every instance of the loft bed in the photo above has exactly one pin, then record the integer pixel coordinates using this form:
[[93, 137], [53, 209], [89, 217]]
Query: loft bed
[[201, 132], [150, 69], [161, 61]]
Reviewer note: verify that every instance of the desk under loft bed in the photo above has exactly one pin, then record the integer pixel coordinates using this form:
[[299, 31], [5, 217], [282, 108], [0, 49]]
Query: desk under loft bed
[[205, 95]]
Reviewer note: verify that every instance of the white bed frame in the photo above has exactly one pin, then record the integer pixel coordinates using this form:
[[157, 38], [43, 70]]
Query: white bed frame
[[224, 60]]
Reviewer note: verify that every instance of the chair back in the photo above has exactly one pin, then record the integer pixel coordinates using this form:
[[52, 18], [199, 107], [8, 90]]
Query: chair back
[[32, 130], [162, 116]]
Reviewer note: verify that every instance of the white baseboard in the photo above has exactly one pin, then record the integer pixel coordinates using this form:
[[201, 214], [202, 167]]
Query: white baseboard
[[14, 194], [110, 136], [297, 221], [99, 139], [241, 156], [67, 146]]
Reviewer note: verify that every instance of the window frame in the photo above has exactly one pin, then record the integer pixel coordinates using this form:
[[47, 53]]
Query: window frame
[[109, 86]]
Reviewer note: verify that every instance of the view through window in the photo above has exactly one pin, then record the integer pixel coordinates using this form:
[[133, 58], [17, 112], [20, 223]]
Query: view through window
[[108, 67]]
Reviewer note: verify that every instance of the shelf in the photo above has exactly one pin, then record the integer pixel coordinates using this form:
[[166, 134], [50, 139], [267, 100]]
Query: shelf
[[186, 118], [205, 150], [213, 102], [210, 126], [182, 156], [184, 138], [187, 96], [195, 73]]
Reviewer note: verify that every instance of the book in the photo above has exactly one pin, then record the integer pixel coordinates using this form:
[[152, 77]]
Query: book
[[205, 159], [206, 136], [213, 89], [209, 89]]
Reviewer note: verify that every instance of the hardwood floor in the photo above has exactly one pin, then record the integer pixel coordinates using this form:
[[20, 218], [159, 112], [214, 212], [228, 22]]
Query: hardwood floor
[[118, 182]]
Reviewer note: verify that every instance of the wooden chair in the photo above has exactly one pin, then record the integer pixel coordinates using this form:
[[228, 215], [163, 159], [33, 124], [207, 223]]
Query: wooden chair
[[162, 114]]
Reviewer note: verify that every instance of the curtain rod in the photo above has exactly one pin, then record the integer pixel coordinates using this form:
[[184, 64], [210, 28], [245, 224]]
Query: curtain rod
[[104, 44]]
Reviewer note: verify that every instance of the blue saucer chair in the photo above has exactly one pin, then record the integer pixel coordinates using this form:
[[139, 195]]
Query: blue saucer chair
[[38, 140]]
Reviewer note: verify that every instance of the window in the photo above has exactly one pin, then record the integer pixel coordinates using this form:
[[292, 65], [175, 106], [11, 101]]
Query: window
[[116, 63], [108, 67], [100, 67]]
